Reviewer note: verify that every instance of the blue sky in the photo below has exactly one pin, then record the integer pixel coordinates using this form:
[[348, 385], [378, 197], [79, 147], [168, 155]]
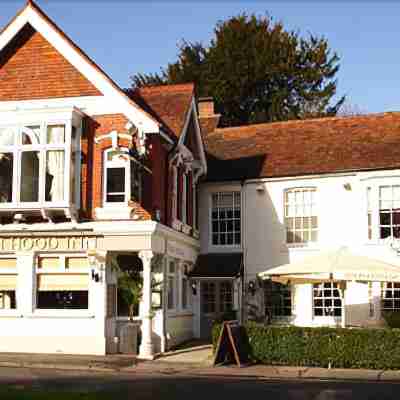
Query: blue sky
[[125, 37]]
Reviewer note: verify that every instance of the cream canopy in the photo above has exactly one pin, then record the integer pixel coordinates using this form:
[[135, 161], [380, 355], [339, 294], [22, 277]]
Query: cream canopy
[[340, 265]]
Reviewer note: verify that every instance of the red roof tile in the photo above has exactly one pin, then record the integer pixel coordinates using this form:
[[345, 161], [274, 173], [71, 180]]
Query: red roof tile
[[314, 146], [169, 104]]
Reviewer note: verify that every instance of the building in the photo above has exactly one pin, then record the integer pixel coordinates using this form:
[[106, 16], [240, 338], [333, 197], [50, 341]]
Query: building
[[282, 192], [93, 180]]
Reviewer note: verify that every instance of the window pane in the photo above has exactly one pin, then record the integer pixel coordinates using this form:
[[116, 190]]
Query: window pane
[[31, 135], [7, 300], [54, 188], [77, 299], [115, 184], [55, 134], [7, 135], [29, 176], [6, 177]]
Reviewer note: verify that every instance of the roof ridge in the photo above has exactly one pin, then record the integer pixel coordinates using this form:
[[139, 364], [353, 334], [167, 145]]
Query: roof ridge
[[174, 87], [306, 121]]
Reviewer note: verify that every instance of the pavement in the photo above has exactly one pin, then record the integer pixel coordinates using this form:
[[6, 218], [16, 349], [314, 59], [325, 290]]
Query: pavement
[[194, 361]]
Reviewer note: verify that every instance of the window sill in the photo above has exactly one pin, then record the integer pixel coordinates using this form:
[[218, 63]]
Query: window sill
[[179, 314], [114, 211], [10, 314], [62, 313]]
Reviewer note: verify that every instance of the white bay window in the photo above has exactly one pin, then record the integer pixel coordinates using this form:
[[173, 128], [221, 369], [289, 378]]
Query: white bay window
[[37, 164]]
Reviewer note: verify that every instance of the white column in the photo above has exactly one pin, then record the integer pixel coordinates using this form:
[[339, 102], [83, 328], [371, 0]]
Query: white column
[[26, 285], [146, 350]]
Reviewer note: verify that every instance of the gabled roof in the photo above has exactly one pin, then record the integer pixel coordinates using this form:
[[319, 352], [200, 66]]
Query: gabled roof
[[33, 15], [168, 104], [295, 148]]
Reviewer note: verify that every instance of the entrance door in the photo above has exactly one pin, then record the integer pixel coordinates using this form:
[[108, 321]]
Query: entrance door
[[216, 299]]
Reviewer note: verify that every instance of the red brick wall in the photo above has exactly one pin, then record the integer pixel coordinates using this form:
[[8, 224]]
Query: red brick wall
[[30, 68]]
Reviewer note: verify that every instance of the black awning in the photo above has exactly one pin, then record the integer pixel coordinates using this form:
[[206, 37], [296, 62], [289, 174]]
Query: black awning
[[218, 265]]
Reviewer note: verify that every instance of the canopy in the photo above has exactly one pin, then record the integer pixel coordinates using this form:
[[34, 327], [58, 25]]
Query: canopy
[[340, 265]]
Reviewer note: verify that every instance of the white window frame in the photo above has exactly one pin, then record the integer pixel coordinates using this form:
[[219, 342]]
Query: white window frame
[[232, 192], [126, 165], [286, 214], [17, 149], [62, 270], [171, 277], [322, 297], [14, 272], [390, 287]]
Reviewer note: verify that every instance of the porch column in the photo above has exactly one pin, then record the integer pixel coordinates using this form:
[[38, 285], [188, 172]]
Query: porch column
[[146, 350]]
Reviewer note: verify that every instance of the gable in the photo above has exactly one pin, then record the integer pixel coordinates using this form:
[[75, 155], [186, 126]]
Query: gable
[[31, 68]]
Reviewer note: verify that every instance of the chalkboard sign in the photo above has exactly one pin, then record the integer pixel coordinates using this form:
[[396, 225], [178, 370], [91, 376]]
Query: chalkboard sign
[[232, 345]]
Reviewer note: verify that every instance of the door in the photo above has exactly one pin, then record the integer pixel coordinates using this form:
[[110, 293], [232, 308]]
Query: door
[[216, 299]]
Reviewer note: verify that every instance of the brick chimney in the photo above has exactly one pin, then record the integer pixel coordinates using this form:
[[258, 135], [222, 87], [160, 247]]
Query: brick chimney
[[207, 117]]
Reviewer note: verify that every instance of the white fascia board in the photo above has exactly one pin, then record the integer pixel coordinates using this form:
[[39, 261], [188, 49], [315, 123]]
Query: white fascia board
[[193, 113], [29, 15]]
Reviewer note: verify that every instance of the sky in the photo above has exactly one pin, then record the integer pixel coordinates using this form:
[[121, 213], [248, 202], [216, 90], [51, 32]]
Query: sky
[[127, 37]]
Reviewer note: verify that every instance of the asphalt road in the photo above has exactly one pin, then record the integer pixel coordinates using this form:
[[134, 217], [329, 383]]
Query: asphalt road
[[183, 386]]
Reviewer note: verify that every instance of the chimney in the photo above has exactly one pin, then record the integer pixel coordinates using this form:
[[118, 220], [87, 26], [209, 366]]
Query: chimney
[[208, 119]]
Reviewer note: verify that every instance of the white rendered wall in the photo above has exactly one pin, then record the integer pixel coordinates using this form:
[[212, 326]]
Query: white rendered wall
[[342, 221]]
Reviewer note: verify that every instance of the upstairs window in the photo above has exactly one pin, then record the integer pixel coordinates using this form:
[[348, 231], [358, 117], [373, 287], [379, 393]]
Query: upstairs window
[[122, 177], [226, 219], [301, 219], [36, 163], [389, 211]]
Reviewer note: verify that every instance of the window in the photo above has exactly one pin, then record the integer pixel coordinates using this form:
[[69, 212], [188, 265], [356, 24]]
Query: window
[[184, 292], [62, 283], [34, 160], [301, 219], [122, 177], [208, 299], [391, 296], [327, 300], [369, 213], [8, 283], [277, 299], [225, 296], [389, 211], [171, 286], [226, 219]]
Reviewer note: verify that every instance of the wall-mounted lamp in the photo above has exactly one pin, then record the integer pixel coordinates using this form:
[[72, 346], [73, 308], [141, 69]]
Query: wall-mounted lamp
[[347, 186], [95, 275], [251, 287], [194, 288], [157, 214], [260, 188]]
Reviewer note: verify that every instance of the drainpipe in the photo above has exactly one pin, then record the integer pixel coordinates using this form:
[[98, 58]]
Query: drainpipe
[[244, 252]]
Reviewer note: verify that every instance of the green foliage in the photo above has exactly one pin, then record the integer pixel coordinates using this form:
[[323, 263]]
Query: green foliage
[[322, 347], [130, 286], [257, 71], [392, 319]]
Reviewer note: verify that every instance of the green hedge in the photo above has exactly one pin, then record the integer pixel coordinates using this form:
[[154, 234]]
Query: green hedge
[[321, 347]]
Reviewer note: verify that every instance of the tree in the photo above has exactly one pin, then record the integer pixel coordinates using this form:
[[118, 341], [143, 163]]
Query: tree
[[257, 71]]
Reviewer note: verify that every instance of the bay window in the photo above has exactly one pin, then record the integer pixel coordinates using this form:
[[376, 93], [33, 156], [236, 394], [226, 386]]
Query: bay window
[[36, 165]]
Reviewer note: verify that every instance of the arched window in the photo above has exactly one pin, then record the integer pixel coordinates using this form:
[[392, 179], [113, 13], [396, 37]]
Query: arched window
[[301, 218], [122, 177]]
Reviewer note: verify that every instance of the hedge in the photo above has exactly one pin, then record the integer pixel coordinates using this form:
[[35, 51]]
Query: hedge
[[322, 347]]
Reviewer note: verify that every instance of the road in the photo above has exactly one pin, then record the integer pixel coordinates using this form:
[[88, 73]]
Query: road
[[189, 387]]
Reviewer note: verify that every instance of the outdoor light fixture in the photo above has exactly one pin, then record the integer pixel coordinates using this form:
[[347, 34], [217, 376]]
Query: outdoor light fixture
[[95, 275], [251, 286], [347, 186], [194, 288]]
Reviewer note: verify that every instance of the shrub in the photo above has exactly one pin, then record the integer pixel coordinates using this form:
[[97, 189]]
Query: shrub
[[392, 319], [321, 347]]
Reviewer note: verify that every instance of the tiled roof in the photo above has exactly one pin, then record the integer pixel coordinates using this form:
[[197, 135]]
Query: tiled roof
[[169, 104], [314, 146]]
